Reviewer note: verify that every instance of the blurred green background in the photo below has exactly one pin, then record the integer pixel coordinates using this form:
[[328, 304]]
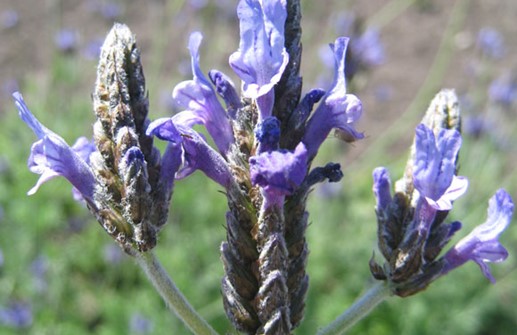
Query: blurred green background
[[57, 262]]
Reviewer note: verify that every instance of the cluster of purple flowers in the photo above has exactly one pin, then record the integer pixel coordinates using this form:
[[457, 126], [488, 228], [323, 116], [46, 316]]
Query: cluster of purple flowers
[[412, 229], [262, 157]]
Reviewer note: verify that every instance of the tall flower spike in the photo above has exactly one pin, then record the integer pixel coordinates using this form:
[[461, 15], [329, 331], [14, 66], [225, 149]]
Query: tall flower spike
[[135, 184], [199, 98], [338, 110], [51, 156], [262, 57], [482, 244]]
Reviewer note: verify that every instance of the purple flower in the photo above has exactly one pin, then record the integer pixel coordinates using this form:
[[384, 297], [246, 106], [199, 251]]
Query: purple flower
[[382, 187], [140, 324], [490, 42], [197, 154], [16, 315], [202, 105], [279, 173], [482, 244], [338, 110], [503, 90], [9, 18], [435, 166], [51, 156], [262, 57], [66, 40]]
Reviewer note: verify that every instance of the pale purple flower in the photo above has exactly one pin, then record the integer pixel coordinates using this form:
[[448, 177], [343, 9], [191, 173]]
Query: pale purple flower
[[382, 187], [482, 244], [16, 314], [51, 156], [202, 105], [338, 110], [490, 42], [66, 40], [39, 268], [139, 324], [261, 58], [279, 173], [197, 154], [113, 254], [435, 166], [503, 90], [111, 10], [9, 18]]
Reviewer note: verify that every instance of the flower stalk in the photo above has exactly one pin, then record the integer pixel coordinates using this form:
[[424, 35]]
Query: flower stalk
[[361, 307], [171, 294]]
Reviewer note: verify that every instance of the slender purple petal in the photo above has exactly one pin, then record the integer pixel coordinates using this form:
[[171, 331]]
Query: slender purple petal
[[200, 100], [482, 244], [197, 154], [382, 187], [225, 88], [262, 57], [435, 166], [172, 158], [279, 173], [338, 110], [51, 156]]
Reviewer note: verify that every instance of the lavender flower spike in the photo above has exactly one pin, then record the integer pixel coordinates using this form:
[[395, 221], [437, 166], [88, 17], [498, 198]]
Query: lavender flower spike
[[338, 110], [262, 57], [51, 156], [199, 98], [435, 166], [482, 245]]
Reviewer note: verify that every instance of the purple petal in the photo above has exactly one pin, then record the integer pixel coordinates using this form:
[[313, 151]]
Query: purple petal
[[197, 154], [199, 98], [225, 88], [261, 58], [338, 110], [51, 156], [435, 165], [172, 158], [382, 187], [482, 244], [279, 172]]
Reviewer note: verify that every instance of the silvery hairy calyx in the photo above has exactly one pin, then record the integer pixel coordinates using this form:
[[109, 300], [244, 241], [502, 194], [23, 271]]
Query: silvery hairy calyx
[[265, 140]]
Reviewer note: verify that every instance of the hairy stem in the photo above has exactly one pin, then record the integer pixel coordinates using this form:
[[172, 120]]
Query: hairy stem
[[172, 295], [358, 310]]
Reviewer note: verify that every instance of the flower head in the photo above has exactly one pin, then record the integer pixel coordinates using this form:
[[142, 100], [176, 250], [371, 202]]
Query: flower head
[[51, 156], [435, 166], [199, 98], [482, 244], [279, 172], [338, 110], [262, 57]]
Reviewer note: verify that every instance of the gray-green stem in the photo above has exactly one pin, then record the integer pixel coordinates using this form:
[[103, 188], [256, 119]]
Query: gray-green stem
[[361, 307], [172, 295]]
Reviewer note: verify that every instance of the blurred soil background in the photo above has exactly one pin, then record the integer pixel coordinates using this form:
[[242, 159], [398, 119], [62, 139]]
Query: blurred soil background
[[49, 51]]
